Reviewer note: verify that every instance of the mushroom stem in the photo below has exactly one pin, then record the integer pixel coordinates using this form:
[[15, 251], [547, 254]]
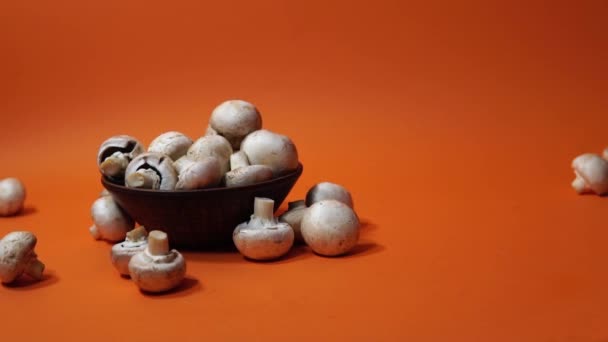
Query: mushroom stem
[[136, 234], [579, 184], [158, 243], [238, 159], [263, 208], [95, 232], [115, 164], [144, 178], [34, 269]]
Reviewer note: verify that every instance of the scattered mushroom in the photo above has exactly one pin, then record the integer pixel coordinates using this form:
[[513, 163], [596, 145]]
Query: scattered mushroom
[[17, 256], [238, 159], [12, 196], [151, 170], [248, 175], [115, 154], [234, 119], [122, 252], [330, 228], [157, 269], [293, 217], [327, 190], [174, 144], [264, 147], [591, 174], [212, 146], [111, 223], [263, 237], [199, 174]]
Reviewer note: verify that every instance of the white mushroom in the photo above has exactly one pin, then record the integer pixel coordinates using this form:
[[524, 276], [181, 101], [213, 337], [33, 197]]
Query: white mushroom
[[263, 237], [111, 223], [264, 147], [17, 256], [234, 119], [151, 170], [238, 159], [12, 196], [199, 174], [591, 174], [330, 228], [248, 175], [293, 217], [327, 190], [174, 144], [157, 269], [135, 242], [212, 146], [115, 154]]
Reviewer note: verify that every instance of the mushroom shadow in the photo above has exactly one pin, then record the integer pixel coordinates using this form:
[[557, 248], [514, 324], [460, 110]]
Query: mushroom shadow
[[28, 210], [25, 283], [361, 249], [187, 287], [297, 252], [367, 226]]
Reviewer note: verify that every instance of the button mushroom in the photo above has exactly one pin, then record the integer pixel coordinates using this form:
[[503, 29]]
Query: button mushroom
[[174, 144], [330, 228], [327, 190], [591, 174], [263, 237], [293, 217], [115, 154], [212, 146], [151, 170], [17, 256], [12, 196], [248, 175], [157, 269], [264, 147], [199, 174], [234, 119], [111, 223], [238, 159], [122, 252]]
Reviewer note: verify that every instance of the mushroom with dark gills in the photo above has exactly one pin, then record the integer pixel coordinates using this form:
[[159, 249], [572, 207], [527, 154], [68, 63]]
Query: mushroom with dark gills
[[115, 154], [122, 252], [151, 170]]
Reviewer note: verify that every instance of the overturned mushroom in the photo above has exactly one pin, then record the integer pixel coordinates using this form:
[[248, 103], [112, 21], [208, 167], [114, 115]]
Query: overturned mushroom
[[12, 196], [234, 119], [212, 146], [111, 223], [264, 147], [122, 252], [151, 170], [591, 174], [248, 175], [157, 269], [263, 237], [116, 153], [17, 256], [293, 217], [199, 174], [327, 190], [174, 144], [330, 228]]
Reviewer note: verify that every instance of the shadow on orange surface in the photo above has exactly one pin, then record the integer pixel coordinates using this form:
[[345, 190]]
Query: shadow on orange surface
[[25, 283], [188, 286]]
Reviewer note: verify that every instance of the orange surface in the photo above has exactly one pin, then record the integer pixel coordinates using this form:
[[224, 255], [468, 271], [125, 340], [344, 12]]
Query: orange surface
[[452, 124]]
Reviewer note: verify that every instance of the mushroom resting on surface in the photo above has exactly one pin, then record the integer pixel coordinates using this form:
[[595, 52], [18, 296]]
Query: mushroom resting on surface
[[151, 170], [157, 269], [591, 174], [122, 252], [264, 147], [234, 119], [17, 256], [212, 146], [12, 196], [116, 153], [174, 144], [263, 237], [111, 223], [326, 191], [293, 217], [330, 228]]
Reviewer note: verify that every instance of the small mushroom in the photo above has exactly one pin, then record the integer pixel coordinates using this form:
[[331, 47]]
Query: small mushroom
[[591, 174], [151, 170], [327, 190], [212, 146], [174, 144], [199, 174], [248, 175], [293, 217], [122, 252], [116, 153], [17, 256], [238, 159], [12, 196], [330, 228], [263, 237], [264, 147], [234, 119], [111, 223], [157, 269]]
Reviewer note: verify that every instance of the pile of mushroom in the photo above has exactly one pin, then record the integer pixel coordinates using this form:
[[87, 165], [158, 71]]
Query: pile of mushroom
[[591, 173]]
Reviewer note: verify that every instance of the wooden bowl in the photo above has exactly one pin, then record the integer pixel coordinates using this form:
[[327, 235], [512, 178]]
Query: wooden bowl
[[199, 219]]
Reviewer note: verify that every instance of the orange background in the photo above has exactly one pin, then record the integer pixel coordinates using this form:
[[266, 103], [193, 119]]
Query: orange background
[[453, 125]]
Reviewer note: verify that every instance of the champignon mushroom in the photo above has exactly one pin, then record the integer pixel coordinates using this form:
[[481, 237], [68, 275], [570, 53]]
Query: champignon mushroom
[[327, 190], [591, 174], [264, 147], [263, 237], [157, 269], [12, 196], [234, 119], [174, 144], [293, 217], [212, 146], [238, 159], [17, 256], [116, 153], [330, 228], [122, 252], [199, 174], [248, 175], [111, 223], [151, 170]]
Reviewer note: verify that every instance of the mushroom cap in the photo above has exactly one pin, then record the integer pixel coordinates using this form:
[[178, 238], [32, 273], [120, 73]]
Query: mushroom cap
[[594, 171], [234, 119], [16, 251], [119, 143], [248, 175], [264, 147], [293, 217], [160, 163], [200, 174], [174, 144], [263, 243], [330, 228], [111, 220], [326, 191], [12, 196], [212, 146], [157, 273], [122, 253]]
